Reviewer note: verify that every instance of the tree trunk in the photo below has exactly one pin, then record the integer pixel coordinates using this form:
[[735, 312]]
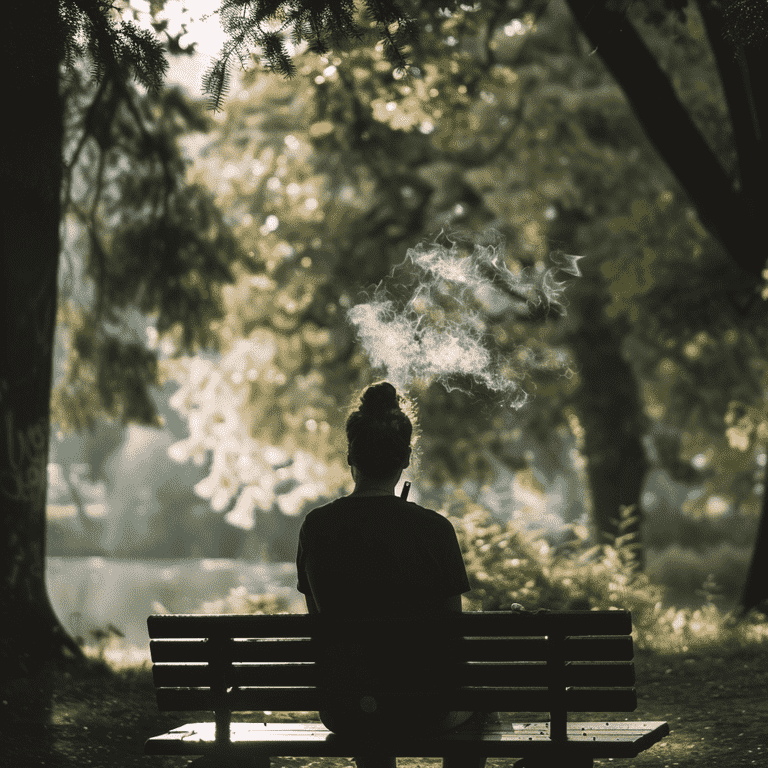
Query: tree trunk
[[755, 593], [32, 174], [732, 213], [609, 408], [607, 402]]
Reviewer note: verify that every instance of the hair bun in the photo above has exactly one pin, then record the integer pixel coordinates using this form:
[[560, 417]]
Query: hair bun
[[380, 398], [379, 432]]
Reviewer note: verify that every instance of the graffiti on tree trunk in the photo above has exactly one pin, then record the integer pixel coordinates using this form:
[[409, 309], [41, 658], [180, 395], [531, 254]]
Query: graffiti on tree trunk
[[24, 478]]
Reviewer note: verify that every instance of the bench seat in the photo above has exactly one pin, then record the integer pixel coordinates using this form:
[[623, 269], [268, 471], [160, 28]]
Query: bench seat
[[606, 739]]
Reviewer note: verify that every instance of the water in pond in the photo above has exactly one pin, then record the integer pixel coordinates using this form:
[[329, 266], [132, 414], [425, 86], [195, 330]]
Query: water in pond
[[91, 593]]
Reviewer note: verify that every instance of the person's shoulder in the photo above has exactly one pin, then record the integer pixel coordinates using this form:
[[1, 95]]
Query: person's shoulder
[[323, 511], [430, 516]]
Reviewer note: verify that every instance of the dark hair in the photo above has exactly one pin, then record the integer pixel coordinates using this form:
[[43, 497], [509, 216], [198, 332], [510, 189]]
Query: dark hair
[[379, 432]]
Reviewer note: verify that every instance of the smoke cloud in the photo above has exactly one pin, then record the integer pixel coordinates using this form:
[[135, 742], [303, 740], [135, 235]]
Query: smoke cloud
[[430, 319]]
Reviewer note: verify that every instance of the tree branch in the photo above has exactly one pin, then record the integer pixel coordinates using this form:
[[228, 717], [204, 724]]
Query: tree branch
[[96, 249], [747, 105], [670, 128], [87, 133]]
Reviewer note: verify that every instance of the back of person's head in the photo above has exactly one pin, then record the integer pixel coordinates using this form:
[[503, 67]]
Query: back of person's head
[[379, 432]]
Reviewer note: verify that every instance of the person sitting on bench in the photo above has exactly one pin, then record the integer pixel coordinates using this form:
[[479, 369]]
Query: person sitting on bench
[[373, 553]]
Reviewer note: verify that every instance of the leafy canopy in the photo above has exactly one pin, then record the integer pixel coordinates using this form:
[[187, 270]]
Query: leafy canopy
[[95, 30], [267, 25], [329, 179], [144, 251]]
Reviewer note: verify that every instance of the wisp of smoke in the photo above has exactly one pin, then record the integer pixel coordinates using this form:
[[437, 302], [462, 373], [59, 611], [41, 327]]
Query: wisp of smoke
[[429, 321]]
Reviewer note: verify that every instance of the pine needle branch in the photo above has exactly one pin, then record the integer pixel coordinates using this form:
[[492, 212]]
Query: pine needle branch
[[90, 27], [262, 27]]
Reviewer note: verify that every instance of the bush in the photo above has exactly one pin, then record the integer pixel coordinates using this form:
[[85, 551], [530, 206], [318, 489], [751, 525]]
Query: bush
[[506, 565], [239, 601]]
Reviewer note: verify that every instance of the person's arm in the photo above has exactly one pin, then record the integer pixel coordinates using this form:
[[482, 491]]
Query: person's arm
[[311, 604], [454, 568], [453, 603], [304, 586]]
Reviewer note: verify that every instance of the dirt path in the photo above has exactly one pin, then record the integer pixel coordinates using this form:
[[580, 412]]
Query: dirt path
[[716, 705]]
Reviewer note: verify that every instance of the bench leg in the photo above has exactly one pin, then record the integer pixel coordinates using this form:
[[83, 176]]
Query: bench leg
[[247, 761], [375, 761], [538, 762], [464, 761]]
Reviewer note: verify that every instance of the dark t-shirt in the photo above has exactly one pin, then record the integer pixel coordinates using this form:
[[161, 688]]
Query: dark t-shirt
[[379, 555]]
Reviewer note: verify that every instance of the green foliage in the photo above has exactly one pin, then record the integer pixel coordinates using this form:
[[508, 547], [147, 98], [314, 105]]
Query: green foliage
[[94, 29], [144, 249], [700, 353], [506, 566], [100, 374], [101, 639], [239, 601], [329, 178], [145, 252], [322, 24], [338, 155]]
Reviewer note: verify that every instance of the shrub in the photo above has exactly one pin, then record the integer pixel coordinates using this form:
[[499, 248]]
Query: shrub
[[239, 601], [506, 565]]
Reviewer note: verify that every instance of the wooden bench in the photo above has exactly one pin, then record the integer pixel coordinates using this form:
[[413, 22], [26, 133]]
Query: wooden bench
[[547, 662]]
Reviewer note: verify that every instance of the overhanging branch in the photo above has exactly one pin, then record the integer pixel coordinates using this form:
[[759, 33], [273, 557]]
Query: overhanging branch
[[669, 127]]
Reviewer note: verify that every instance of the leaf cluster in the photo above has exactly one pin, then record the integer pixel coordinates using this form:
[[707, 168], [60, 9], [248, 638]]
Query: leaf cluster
[[239, 601], [506, 565], [144, 247], [101, 374], [266, 25], [93, 29]]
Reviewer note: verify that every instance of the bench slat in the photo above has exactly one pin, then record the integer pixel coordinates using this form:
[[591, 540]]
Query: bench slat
[[307, 699], [199, 675], [228, 625], [512, 739], [520, 675], [587, 675], [498, 623], [606, 648], [247, 650], [492, 624]]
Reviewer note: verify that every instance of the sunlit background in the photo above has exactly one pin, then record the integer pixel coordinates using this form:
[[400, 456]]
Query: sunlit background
[[328, 182]]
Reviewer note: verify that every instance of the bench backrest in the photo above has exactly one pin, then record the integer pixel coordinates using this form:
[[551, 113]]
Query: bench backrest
[[556, 662]]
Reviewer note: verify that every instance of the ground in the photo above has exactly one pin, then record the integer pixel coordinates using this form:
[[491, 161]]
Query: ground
[[715, 703]]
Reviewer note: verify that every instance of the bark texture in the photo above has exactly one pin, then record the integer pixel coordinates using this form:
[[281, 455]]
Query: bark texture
[[32, 172], [755, 593], [609, 408]]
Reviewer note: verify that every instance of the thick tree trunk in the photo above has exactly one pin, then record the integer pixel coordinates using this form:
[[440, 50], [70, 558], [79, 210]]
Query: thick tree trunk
[[755, 593], [609, 408], [733, 213], [32, 172], [607, 402]]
